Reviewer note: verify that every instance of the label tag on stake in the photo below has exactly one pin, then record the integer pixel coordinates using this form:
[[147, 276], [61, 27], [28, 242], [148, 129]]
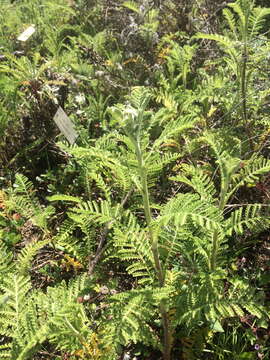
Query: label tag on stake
[[27, 33], [65, 125]]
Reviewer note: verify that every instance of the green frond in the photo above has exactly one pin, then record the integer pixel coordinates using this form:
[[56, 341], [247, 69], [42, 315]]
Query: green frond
[[178, 62], [202, 248], [86, 216], [64, 240], [250, 172], [63, 197], [100, 184], [221, 144], [95, 212], [170, 244], [226, 151], [27, 254], [57, 307], [23, 185], [96, 153], [247, 217], [5, 351], [174, 129], [15, 289], [242, 12], [130, 313], [123, 139], [182, 250], [257, 20], [226, 44], [22, 199], [154, 164], [197, 179], [134, 247], [131, 5], [105, 162], [78, 285], [139, 97], [6, 259], [255, 310], [205, 302], [230, 21], [66, 331], [187, 207], [30, 334]]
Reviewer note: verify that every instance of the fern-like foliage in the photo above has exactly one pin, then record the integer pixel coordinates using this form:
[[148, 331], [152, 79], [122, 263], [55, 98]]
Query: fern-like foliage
[[132, 313], [187, 207], [198, 179], [195, 228], [250, 172], [64, 240], [247, 217], [27, 254], [6, 259], [182, 251], [133, 247], [207, 300], [23, 200], [244, 21], [30, 317], [15, 289]]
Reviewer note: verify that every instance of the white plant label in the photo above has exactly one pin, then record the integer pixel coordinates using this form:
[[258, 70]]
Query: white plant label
[[27, 33], [65, 125]]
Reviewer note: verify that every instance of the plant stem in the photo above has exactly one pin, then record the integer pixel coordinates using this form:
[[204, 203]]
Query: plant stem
[[221, 206], [154, 248]]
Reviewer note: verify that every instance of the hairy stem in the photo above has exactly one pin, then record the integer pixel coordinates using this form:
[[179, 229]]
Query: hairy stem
[[221, 206], [154, 248]]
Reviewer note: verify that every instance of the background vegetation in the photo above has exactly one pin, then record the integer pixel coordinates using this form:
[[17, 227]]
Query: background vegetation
[[148, 238]]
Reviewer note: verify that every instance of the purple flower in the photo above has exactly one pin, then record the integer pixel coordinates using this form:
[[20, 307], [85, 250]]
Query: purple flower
[[257, 347]]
